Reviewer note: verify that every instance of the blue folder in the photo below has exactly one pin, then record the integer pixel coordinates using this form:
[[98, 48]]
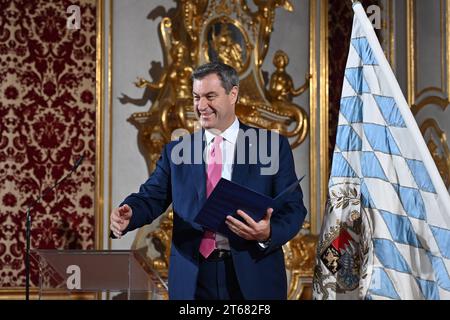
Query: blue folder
[[227, 197]]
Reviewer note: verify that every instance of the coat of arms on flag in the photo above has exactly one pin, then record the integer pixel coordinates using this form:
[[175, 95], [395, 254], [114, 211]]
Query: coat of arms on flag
[[387, 228]]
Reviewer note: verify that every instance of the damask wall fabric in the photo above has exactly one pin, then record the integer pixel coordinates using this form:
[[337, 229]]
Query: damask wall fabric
[[47, 121]]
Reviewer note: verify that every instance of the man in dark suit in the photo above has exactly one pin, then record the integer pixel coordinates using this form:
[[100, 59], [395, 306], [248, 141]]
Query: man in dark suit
[[249, 262]]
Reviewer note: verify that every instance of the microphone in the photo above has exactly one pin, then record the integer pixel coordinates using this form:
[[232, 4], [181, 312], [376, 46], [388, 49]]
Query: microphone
[[77, 163], [48, 190], [28, 224]]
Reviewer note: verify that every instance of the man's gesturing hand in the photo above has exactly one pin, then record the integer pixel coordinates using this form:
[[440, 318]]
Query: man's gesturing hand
[[251, 230], [120, 218]]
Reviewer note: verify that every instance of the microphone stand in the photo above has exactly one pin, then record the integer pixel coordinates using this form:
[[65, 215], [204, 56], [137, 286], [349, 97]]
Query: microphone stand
[[28, 225]]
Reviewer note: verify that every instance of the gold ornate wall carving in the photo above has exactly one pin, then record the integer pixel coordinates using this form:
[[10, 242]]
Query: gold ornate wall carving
[[231, 32], [436, 141], [300, 261]]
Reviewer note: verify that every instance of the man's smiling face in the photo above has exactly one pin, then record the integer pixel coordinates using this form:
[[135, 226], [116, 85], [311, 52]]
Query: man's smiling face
[[213, 106]]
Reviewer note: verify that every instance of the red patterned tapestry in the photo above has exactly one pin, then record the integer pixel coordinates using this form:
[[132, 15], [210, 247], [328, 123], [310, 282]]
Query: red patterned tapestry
[[47, 121]]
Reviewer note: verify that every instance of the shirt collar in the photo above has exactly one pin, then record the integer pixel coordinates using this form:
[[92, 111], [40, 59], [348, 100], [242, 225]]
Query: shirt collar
[[230, 134]]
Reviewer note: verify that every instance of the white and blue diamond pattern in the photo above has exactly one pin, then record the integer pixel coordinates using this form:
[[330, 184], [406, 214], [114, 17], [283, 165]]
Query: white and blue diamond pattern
[[406, 206]]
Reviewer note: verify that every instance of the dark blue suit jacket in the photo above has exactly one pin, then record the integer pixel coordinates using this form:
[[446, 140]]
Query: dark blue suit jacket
[[260, 272]]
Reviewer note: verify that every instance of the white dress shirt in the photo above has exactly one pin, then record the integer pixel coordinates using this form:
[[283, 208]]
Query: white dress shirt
[[228, 147]]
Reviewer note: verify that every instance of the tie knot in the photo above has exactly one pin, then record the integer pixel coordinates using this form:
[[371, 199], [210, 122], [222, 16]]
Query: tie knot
[[217, 140]]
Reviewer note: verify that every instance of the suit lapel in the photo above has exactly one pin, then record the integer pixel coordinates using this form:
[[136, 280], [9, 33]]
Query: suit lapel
[[240, 170], [198, 167]]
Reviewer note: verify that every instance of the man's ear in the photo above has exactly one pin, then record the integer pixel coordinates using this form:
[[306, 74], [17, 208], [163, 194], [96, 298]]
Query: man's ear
[[234, 92]]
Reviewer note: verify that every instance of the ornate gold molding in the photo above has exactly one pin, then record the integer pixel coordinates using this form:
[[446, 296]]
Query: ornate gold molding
[[388, 37], [416, 98], [17, 294], [99, 125], [300, 255], [110, 113], [410, 51], [228, 51], [430, 100], [436, 140], [324, 106], [313, 137], [391, 33]]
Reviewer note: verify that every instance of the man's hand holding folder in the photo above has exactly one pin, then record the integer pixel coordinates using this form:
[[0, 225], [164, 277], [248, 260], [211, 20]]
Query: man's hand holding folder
[[250, 230], [231, 202]]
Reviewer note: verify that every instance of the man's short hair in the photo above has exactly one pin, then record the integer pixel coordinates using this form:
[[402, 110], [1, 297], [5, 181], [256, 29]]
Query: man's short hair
[[226, 73]]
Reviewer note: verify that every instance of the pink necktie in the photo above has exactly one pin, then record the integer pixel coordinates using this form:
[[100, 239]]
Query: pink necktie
[[214, 173]]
